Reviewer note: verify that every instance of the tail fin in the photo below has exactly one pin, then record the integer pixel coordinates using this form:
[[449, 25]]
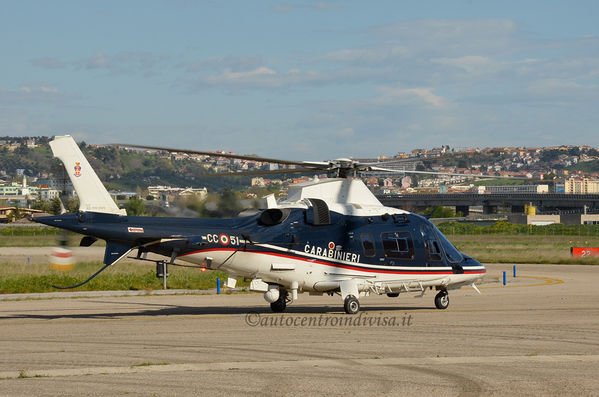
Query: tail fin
[[93, 196]]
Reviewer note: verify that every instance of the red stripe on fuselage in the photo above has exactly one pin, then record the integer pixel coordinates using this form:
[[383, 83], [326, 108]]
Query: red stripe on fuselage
[[349, 267]]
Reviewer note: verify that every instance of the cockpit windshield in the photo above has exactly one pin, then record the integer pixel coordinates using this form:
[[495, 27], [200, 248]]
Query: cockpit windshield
[[451, 253]]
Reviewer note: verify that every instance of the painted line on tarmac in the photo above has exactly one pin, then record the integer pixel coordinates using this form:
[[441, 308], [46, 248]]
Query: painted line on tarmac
[[545, 281], [235, 365]]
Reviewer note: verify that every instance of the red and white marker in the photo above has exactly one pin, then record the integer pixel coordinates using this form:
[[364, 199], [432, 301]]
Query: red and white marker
[[62, 259]]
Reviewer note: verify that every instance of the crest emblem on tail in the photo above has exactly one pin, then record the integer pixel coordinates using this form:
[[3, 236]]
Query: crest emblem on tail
[[77, 169]]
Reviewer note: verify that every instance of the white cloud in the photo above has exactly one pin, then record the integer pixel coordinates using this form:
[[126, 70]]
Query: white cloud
[[345, 133], [48, 63], [327, 6], [251, 75], [124, 61], [474, 64], [368, 54], [457, 37], [98, 60], [468, 82], [320, 6], [560, 91], [49, 89], [261, 77], [33, 95], [399, 95], [37, 90], [461, 58], [283, 8], [233, 63]]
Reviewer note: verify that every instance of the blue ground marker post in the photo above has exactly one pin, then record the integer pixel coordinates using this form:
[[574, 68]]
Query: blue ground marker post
[[218, 285], [514, 270], [504, 278]]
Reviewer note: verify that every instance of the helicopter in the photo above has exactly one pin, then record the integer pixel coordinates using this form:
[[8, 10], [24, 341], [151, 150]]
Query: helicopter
[[329, 236]]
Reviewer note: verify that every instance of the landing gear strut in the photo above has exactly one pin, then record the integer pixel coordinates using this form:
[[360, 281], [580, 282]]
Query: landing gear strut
[[280, 304], [442, 300], [351, 305]]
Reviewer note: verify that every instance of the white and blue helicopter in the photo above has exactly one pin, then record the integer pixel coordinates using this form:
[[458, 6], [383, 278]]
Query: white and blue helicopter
[[329, 236]]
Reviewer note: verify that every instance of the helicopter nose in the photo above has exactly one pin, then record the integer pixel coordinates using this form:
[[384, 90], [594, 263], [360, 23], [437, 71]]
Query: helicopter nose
[[473, 264]]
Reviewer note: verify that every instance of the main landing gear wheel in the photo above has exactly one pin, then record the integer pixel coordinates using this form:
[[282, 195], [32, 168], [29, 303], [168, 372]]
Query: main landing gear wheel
[[392, 294], [442, 300], [351, 305], [280, 304]]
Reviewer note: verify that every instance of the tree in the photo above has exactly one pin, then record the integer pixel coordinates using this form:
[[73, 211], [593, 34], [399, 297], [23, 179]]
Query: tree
[[55, 206], [41, 205], [14, 215], [135, 206], [73, 204], [550, 155], [229, 203], [439, 212]]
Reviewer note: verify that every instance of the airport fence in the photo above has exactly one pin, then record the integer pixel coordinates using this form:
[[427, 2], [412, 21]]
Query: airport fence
[[33, 231], [506, 228], [447, 228]]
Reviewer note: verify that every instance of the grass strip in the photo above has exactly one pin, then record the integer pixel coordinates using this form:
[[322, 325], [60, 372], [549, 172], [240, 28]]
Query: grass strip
[[15, 278], [524, 249]]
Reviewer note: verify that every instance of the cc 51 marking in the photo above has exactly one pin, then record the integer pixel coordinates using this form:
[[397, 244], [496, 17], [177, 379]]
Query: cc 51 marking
[[222, 239]]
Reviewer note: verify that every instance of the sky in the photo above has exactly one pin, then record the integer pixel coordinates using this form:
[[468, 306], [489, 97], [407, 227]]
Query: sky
[[302, 80]]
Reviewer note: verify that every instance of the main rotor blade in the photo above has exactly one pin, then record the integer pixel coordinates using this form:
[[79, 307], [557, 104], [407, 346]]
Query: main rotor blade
[[265, 172], [322, 165], [396, 161], [445, 173]]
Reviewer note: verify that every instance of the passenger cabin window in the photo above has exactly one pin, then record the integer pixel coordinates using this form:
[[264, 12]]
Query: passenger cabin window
[[368, 244], [398, 245], [432, 248]]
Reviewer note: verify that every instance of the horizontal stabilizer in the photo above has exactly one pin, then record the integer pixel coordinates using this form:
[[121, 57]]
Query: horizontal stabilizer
[[115, 251]]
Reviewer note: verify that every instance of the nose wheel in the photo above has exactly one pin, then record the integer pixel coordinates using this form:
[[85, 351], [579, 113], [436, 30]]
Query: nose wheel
[[351, 305], [442, 300], [280, 304]]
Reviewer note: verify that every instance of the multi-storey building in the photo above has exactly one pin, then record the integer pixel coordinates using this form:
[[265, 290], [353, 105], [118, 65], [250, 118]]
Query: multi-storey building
[[581, 186]]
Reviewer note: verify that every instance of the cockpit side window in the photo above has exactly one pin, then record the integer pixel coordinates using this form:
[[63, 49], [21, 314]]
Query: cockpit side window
[[368, 246], [451, 253], [432, 248], [398, 245]]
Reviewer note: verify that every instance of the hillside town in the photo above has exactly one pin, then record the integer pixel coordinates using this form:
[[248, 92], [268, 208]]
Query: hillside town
[[563, 169]]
